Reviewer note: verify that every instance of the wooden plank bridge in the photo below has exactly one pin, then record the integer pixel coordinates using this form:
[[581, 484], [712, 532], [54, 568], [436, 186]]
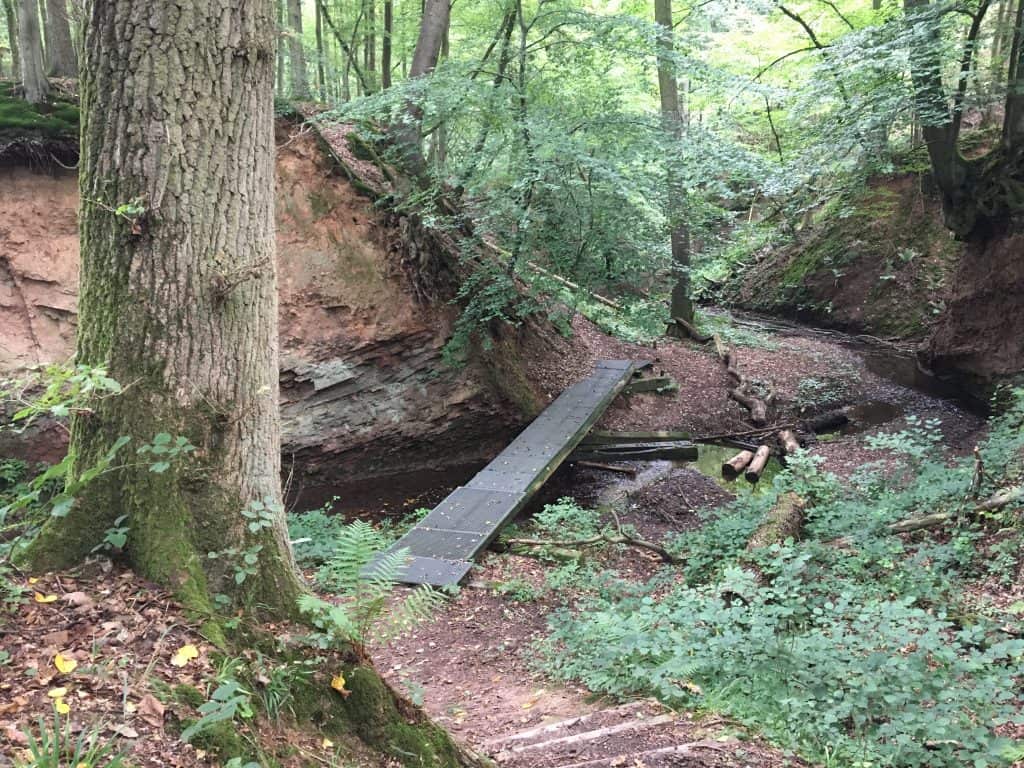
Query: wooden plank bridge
[[443, 544]]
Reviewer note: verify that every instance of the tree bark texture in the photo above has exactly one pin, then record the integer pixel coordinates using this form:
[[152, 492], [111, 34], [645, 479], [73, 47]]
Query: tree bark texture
[[180, 301], [296, 53], [672, 119], [12, 36], [30, 46], [385, 44], [60, 52], [433, 28]]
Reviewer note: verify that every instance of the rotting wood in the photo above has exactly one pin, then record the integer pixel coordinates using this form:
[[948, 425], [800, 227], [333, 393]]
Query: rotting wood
[[734, 466], [757, 464], [597, 733], [826, 422], [622, 710], [783, 521], [788, 441], [742, 390]]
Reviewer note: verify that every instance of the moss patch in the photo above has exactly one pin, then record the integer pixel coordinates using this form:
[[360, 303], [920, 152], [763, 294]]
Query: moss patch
[[19, 119], [877, 263]]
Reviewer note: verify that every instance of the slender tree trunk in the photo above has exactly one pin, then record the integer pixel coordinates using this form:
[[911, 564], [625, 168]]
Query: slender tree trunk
[[60, 52], [44, 30], [668, 88], [180, 301], [12, 37], [385, 44], [408, 134], [321, 78], [30, 45], [280, 49], [370, 47], [296, 54]]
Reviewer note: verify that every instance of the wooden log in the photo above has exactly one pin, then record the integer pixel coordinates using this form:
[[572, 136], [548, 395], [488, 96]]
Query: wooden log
[[757, 464], [600, 437], [680, 451], [735, 466], [782, 522], [743, 391], [826, 422], [787, 438], [683, 328]]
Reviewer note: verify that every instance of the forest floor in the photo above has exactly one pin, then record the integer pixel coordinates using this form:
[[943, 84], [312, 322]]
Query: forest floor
[[473, 667]]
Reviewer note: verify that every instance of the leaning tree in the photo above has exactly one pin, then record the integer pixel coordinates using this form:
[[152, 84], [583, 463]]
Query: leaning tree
[[179, 298]]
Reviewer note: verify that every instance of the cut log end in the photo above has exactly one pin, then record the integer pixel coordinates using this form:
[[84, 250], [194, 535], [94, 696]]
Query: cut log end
[[734, 466], [757, 464]]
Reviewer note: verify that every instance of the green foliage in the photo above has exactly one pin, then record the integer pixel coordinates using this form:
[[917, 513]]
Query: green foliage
[[853, 646], [55, 745], [314, 534], [363, 580], [229, 700]]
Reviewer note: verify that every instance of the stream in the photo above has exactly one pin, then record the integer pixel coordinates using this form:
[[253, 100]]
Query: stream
[[895, 384]]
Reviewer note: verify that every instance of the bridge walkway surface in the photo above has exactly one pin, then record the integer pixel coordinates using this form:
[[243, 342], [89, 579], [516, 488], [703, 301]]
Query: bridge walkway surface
[[441, 547]]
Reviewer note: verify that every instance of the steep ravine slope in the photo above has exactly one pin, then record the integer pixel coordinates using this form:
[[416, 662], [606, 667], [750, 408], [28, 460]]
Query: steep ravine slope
[[363, 385]]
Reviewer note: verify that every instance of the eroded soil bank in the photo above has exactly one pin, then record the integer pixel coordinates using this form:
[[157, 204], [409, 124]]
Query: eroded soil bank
[[364, 389]]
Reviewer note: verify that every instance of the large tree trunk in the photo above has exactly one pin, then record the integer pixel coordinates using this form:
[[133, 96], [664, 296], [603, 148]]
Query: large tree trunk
[[60, 52], [672, 119], [12, 36], [30, 45], [296, 54], [180, 300]]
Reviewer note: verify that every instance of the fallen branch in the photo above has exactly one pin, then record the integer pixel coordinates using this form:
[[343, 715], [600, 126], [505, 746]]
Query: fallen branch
[[743, 390], [993, 503], [618, 537], [1000, 499], [678, 749], [574, 286], [688, 329]]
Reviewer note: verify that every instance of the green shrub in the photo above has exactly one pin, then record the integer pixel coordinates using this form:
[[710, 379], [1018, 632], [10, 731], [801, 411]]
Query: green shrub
[[853, 646]]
